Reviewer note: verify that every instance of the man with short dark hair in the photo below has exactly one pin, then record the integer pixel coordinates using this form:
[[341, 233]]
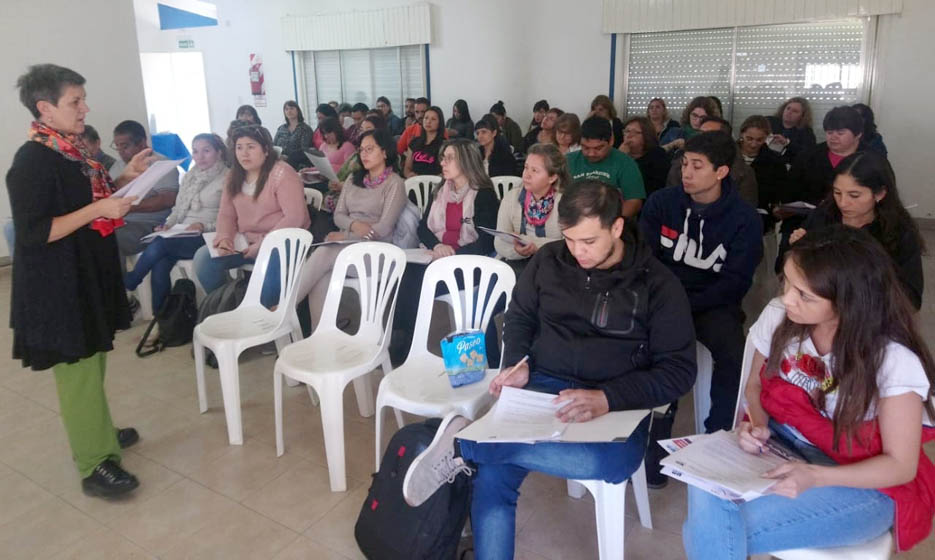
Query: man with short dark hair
[[358, 112], [129, 140], [413, 131], [393, 123], [409, 112], [606, 327], [711, 240], [741, 173], [598, 159], [93, 142]]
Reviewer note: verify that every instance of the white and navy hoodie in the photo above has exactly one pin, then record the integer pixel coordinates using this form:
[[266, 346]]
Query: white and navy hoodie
[[713, 250]]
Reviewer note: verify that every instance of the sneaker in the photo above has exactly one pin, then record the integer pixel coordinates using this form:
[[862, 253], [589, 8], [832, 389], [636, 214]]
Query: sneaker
[[109, 480], [126, 437], [437, 465]]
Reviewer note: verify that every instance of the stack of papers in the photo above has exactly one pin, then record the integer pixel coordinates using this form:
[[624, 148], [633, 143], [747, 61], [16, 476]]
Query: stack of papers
[[240, 243], [146, 180], [321, 163], [419, 256], [504, 235], [523, 416], [716, 464], [797, 207], [178, 230]]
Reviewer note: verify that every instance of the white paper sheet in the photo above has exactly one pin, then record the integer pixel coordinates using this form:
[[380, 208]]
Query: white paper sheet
[[418, 256], [240, 243], [178, 230], [504, 235], [321, 163], [146, 180]]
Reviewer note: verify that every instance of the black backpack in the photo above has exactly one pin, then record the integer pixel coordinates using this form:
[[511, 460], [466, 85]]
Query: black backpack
[[388, 528], [176, 319]]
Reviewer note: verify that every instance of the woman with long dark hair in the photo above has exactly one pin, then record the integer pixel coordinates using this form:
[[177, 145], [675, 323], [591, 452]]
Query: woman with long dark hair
[[508, 126], [322, 112], [864, 195], [842, 374], [261, 194], [460, 124], [423, 157], [369, 207], [871, 136], [294, 136], [494, 149], [336, 147]]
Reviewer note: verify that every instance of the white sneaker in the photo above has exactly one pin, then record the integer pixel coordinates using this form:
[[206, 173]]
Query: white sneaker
[[437, 465]]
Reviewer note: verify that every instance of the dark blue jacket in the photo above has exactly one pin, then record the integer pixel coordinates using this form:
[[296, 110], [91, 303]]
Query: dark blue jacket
[[714, 253]]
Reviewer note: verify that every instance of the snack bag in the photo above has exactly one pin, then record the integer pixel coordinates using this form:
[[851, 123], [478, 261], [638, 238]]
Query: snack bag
[[465, 356]]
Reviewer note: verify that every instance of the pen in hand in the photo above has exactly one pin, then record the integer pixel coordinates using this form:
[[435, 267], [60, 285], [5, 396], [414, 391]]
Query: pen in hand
[[753, 426]]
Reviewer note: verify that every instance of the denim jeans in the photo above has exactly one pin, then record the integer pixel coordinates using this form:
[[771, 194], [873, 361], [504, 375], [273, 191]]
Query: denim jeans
[[157, 259], [501, 468], [827, 516], [213, 273]]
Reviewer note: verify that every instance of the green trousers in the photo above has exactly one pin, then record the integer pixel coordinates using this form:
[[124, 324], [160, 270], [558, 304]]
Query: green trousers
[[85, 413]]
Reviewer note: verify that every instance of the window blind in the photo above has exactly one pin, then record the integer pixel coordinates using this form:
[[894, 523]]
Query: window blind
[[751, 69]]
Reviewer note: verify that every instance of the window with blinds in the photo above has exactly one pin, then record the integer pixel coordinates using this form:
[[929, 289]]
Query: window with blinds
[[362, 75], [751, 69]]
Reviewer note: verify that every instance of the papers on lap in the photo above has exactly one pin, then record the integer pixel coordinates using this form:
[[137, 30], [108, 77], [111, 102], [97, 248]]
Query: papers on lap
[[178, 230], [145, 182], [504, 235], [321, 163], [522, 416], [240, 243], [716, 464], [419, 256]]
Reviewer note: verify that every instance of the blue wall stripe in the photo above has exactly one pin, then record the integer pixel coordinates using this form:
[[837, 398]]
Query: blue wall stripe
[[428, 75], [174, 18], [295, 81], [613, 64]]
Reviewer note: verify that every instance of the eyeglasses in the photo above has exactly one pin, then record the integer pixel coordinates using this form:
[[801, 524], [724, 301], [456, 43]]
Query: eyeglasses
[[699, 115], [369, 150], [631, 131], [448, 158], [121, 146]]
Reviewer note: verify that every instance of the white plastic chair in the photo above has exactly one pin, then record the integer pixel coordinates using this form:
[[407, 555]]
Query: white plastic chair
[[701, 392], [879, 548], [330, 358], [313, 197], [506, 183], [418, 386], [250, 324], [421, 186]]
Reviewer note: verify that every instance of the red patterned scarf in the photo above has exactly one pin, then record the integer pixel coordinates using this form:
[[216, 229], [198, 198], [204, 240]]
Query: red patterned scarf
[[72, 148]]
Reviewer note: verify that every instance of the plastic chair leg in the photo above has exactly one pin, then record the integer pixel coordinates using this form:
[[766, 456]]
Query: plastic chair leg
[[399, 418], [277, 410], [378, 441], [609, 507], [364, 391], [230, 389], [332, 424], [200, 376], [641, 493], [312, 394], [576, 490]]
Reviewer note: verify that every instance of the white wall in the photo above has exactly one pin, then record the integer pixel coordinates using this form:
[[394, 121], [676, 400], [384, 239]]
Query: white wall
[[901, 99], [69, 34], [483, 50]]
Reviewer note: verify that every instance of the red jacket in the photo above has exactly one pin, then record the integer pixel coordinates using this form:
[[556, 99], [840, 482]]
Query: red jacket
[[914, 501]]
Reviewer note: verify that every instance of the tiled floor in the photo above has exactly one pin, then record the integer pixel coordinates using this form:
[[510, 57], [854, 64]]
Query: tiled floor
[[201, 498]]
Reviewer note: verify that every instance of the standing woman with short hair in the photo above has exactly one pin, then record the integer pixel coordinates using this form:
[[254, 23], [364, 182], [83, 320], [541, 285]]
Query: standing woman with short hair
[[68, 298]]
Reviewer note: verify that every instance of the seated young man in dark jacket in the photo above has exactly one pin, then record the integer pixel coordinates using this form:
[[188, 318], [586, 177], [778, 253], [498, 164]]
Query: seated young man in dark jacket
[[713, 241], [605, 326]]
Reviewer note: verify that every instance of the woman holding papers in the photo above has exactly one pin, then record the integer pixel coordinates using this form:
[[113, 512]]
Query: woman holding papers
[[531, 212], [840, 369], [68, 297], [367, 210], [335, 147], [261, 194], [196, 208], [864, 196]]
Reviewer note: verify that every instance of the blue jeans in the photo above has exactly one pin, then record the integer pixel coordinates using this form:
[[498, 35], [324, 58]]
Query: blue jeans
[[157, 259], [10, 234], [501, 468], [827, 516], [213, 273]]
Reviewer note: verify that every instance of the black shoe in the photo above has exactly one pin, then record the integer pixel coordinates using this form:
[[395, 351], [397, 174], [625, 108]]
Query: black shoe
[[127, 437], [109, 480]]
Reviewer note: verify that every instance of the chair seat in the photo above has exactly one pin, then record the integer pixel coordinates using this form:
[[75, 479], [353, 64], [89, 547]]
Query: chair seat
[[877, 549], [333, 352], [243, 324], [424, 389]]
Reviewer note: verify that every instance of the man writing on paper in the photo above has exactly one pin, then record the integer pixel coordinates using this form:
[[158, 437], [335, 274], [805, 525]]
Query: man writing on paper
[[606, 327]]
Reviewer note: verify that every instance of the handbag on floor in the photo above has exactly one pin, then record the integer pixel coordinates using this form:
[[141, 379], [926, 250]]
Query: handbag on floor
[[176, 319], [388, 528]]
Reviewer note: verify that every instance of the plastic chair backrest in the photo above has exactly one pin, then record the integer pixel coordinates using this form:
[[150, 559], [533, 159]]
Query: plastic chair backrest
[[293, 247], [506, 183], [379, 268], [472, 302], [749, 350], [313, 197], [421, 186]]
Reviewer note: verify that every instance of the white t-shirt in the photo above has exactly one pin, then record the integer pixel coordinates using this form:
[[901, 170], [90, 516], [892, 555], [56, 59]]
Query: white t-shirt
[[802, 365]]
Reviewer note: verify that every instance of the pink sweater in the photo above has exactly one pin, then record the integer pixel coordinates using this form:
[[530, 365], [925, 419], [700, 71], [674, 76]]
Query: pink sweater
[[281, 204]]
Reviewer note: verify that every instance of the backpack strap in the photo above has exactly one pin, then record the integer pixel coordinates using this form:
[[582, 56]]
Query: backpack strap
[[156, 347]]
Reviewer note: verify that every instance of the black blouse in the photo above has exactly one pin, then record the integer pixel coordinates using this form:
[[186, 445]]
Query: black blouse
[[68, 297], [425, 157]]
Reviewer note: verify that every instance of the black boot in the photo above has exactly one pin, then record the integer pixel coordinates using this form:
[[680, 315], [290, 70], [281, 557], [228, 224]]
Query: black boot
[[126, 437], [109, 480]]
